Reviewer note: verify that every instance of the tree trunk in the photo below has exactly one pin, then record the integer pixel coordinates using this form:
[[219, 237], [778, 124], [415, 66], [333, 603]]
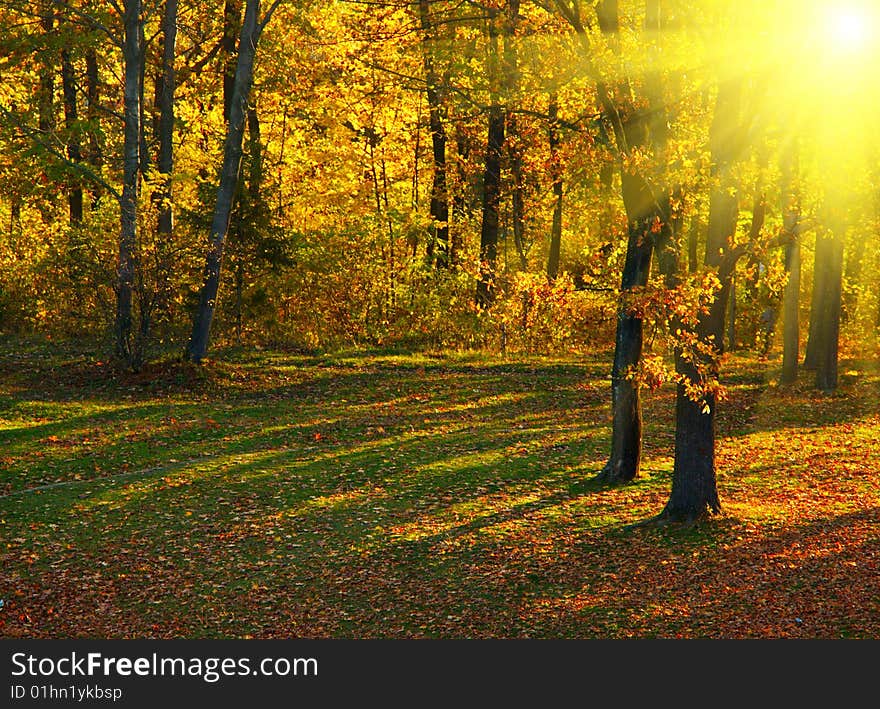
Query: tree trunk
[[731, 318], [512, 137], [644, 212], [167, 86], [791, 293], [515, 156], [71, 117], [438, 245], [231, 29], [790, 301], [694, 489], [491, 203], [491, 180], [46, 98], [821, 264], [556, 172], [93, 113], [132, 58], [247, 48], [828, 332]]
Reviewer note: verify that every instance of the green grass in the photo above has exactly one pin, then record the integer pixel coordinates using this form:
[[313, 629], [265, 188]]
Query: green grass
[[390, 495]]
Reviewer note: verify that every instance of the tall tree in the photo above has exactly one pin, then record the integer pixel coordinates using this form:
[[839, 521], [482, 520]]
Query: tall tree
[[556, 176], [95, 155], [492, 171], [828, 328], [74, 151], [166, 84], [513, 140], [438, 245], [694, 491], [646, 218], [133, 57], [251, 29], [791, 294]]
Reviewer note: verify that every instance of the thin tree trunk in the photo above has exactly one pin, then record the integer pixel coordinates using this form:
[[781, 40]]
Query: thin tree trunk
[[438, 246], [165, 89], [556, 172], [514, 152], [512, 137], [491, 202], [392, 255], [247, 48], [93, 114], [491, 181], [71, 117], [731, 317], [792, 290], [167, 86], [790, 301], [46, 99]]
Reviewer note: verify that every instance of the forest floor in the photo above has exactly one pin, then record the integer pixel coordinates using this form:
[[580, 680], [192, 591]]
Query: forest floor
[[273, 495]]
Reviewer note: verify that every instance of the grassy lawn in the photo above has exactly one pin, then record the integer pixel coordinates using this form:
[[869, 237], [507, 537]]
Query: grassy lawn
[[271, 495]]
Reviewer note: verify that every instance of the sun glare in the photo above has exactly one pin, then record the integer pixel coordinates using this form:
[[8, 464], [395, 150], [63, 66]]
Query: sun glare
[[849, 28]]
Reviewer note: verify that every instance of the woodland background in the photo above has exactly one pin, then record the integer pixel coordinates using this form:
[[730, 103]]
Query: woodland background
[[372, 288]]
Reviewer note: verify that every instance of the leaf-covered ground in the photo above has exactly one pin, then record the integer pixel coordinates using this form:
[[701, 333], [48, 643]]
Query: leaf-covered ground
[[271, 495]]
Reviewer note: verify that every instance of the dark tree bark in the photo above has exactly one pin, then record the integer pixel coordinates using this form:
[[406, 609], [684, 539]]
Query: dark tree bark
[[74, 152], [645, 213], [132, 59], [512, 137], [247, 49], [163, 127], [166, 86], [491, 178], [828, 331], [491, 205], [694, 488], [517, 197], [731, 315], [556, 173], [438, 245], [231, 30], [790, 310], [95, 155], [144, 151], [46, 98], [791, 293], [822, 261]]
